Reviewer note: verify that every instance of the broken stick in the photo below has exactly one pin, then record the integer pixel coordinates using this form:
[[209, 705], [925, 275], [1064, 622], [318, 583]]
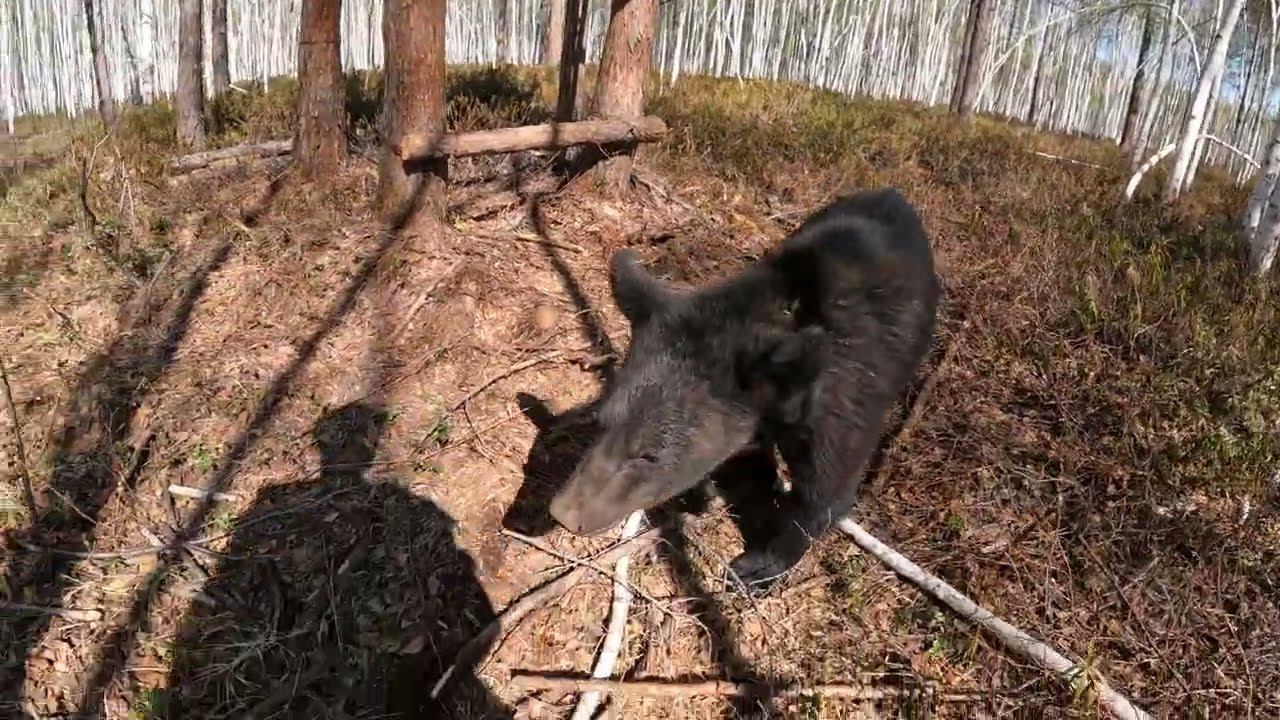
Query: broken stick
[[654, 688], [20, 452], [478, 648], [590, 700], [552, 136], [1014, 639]]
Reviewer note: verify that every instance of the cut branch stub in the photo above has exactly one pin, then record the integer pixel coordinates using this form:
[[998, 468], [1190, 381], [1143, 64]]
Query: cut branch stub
[[553, 136]]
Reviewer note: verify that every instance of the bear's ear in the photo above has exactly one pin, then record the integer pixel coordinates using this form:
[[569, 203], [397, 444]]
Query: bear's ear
[[637, 293], [777, 369]]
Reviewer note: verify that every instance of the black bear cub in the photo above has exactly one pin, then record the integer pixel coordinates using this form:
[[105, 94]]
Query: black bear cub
[[805, 351]]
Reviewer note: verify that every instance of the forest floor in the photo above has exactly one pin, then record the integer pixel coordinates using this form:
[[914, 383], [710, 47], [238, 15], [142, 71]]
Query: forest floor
[[1096, 461]]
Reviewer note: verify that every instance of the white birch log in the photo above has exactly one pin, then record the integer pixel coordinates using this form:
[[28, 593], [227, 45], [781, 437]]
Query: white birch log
[[1011, 637], [612, 645]]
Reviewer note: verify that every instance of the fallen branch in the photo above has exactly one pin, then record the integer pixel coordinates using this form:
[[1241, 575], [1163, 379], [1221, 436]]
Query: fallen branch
[[552, 136], [195, 161], [728, 688], [197, 493], [479, 647], [484, 384], [590, 700], [20, 452], [1160, 154], [67, 613], [1011, 637]]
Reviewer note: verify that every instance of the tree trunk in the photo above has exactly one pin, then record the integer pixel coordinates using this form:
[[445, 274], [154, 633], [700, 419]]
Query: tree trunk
[[321, 146], [1037, 74], [1261, 225], [624, 64], [1201, 101], [220, 72], [189, 96], [412, 102], [1152, 103], [503, 21], [572, 55], [962, 62], [976, 58], [553, 38], [101, 71], [1138, 90]]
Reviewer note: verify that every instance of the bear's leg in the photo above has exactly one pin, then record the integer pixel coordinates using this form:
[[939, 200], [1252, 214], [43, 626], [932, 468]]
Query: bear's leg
[[824, 488]]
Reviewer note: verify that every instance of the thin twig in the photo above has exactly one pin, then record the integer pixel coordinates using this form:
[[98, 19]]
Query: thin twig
[[919, 403], [484, 384], [479, 647], [558, 244], [1012, 638], [422, 298], [579, 562], [728, 688], [79, 615], [590, 700], [24, 474]]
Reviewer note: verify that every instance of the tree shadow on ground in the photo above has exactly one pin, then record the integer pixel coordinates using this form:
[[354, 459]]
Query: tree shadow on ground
[[93, 455], [340, 597]]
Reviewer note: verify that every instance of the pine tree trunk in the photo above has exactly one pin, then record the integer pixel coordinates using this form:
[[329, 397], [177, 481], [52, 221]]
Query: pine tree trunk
[[321, 145], [962, 62], [572, 55], [624, 64], [553, 38], [189, 97], [220, 72], [1201, 102], [503, 21], [101, 71], [412, 102], [1152, 103], [1138, 90], [984, 11]]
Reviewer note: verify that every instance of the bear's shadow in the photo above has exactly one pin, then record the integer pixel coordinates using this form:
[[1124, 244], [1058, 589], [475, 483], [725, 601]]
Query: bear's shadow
[[344, 596]]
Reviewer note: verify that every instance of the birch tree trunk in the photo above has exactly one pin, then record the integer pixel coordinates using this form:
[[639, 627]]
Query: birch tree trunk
[[553, 38], [101, 71], [1264, 204], [1201, 102], [219, 72], [975, 59], [623, 66], [321, 145], [1261, 227], [412, 102], [189, 98], [1138, 91]]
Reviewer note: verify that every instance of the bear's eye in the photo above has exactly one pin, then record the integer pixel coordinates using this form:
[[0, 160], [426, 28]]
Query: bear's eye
[[648, 457]]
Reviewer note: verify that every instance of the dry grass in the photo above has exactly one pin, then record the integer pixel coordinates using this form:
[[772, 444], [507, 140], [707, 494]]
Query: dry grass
[[1096, 463]]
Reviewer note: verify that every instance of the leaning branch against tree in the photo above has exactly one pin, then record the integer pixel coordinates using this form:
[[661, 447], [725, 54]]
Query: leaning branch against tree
[[1160, 154], [1011, 637], [553, 136]]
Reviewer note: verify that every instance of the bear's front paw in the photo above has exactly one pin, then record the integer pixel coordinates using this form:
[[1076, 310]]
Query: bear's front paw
[[757, 572]]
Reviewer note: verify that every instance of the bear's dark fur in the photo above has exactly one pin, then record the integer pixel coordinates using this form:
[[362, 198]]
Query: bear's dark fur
[[805, 351]]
